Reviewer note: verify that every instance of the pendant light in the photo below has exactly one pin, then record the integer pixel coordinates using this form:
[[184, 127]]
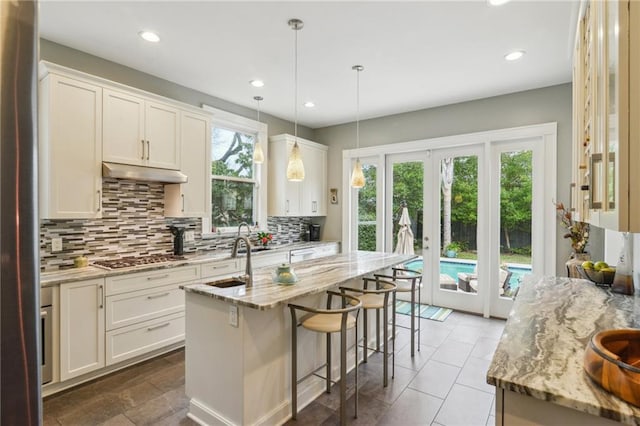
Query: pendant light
[[295, 168], [258, 155], [357, 177]]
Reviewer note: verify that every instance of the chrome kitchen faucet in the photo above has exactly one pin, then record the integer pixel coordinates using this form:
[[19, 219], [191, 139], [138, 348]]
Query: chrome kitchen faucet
[[234, 253]]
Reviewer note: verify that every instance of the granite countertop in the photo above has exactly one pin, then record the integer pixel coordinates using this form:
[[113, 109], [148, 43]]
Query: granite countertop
[[314, 276], [90, 272], [541, 351]]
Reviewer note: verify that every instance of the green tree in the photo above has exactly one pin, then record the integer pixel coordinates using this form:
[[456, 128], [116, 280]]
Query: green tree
[[515, 192]]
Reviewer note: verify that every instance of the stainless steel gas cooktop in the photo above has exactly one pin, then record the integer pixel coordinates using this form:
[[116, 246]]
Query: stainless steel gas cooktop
[[127, 262]]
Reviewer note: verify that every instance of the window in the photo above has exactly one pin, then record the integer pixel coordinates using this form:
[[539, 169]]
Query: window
[[232, 178], [236, 192]]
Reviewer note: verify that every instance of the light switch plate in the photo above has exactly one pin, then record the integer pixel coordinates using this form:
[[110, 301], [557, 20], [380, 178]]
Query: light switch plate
[[56, 244], [189, 236], [233, 315]]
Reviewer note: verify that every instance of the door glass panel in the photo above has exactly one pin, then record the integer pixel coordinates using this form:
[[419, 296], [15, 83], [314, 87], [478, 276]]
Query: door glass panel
[[408, 188], [612, 96], [367, 204], [516, 195], [458, 224]]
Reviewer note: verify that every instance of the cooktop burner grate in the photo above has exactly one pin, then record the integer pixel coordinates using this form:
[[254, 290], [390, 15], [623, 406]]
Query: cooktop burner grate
[[127, 262]]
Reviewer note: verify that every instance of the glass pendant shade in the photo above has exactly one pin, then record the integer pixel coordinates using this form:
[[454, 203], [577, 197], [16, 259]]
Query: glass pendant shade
[[258, 155], [357, 177], [295, 168]]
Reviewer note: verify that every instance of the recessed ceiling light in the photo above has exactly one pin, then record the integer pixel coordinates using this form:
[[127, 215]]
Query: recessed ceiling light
[[149, 36], [309, 104], [257, 83], [497, 2], [515, 55]]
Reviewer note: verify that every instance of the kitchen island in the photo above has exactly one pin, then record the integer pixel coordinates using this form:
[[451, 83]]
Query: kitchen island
[[238, 340], [537, 366]]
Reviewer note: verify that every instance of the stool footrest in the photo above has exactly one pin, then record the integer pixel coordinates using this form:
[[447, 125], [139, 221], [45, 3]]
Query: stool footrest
[[313, 373]]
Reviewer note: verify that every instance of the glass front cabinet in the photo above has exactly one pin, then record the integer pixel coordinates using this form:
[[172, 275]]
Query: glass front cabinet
[[605, 190]]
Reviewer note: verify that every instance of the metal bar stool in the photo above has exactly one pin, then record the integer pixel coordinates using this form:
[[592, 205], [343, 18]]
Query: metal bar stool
[[376, 299], [326, 321], [407, 281]]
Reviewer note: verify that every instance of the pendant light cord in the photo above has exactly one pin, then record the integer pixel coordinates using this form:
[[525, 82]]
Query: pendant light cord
[[357, 108], [295, 89]]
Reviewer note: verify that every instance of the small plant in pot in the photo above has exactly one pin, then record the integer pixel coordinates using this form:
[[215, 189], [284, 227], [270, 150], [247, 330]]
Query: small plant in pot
[[452, 249]]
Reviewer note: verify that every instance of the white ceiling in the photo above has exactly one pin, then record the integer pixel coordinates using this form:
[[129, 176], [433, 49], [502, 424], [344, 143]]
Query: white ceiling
[[416, 54]]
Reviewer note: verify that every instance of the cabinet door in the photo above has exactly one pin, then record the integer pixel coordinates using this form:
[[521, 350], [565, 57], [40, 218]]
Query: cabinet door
[[161, 136], [313, 200], [70, 149], [82, 330], [191, 199], [123, 128]]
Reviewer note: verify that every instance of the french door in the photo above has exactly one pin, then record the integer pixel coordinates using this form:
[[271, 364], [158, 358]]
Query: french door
[[476, 215], [480, 210]]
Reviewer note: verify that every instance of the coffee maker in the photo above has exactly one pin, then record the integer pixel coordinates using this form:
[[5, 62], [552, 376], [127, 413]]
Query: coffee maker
[[314, 232], [178, 240]]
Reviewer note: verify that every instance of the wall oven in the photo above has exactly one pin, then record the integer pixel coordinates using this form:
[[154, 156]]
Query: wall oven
[[46, 333]]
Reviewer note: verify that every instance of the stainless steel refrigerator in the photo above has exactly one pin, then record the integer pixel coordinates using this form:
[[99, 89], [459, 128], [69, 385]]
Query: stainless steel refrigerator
[[20, 402]]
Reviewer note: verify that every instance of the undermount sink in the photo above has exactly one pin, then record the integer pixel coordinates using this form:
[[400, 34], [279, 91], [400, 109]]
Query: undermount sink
[[253, 250], [228, 282]]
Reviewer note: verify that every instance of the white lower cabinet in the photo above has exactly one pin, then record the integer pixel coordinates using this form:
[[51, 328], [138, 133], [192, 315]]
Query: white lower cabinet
[[145, 311], [82, 328], [221, 268], [138, 339], [131, 308]]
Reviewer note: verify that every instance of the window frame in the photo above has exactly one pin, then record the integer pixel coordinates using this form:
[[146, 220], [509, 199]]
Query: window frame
[[236, 123]]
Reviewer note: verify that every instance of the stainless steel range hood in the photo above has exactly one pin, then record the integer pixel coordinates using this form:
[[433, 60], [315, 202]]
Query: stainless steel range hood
[[149, 174]]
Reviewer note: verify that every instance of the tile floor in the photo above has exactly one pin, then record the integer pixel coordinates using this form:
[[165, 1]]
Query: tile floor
[[444, 384]]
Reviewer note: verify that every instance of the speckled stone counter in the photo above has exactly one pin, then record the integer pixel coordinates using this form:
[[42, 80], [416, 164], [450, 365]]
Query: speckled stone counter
[[314, 276], [541, 350], [78, 274]]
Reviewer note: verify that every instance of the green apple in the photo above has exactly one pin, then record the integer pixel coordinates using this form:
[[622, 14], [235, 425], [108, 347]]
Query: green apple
[[608, 269], [598, 266], [587, 264]]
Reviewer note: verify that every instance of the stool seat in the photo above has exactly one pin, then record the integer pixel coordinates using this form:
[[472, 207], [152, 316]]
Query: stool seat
[[327, 323], [372, 301]]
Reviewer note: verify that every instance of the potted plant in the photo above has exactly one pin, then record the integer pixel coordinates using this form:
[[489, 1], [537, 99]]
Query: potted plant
[[264, 238], [452, 249]]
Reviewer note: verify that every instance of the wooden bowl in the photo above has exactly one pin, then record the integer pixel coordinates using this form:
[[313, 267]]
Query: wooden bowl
[[612, 359]]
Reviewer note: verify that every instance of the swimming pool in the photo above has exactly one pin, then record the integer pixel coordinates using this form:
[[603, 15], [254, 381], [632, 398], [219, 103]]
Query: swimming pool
[[453, 267]]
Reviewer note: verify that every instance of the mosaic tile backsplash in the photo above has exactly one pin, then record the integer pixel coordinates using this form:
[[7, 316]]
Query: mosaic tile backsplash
[[133, 224]]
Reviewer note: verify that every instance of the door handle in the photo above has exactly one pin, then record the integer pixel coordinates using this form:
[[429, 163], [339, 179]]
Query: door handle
[[182, 195], [157, 296], [142, 158], [426, 238], [101, 297], [148, 149], [99, 200], [166, 324]]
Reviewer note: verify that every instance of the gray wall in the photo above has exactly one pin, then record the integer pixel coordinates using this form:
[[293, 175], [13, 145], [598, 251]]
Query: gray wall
[[549, 104], [66, 56]]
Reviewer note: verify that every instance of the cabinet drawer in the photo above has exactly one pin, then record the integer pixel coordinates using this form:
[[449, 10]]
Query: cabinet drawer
[[145, 280], [223, 267], [271, 259], [137, 306], [138, 339]]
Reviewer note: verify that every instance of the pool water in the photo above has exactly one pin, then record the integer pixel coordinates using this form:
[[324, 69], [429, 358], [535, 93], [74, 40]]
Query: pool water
[[453, 267]]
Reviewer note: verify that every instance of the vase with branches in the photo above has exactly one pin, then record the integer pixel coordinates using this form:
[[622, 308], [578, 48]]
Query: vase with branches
[[578, 232]]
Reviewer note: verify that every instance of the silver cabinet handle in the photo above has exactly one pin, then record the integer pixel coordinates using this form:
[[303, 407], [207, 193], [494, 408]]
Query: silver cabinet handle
[[101, 296], [158, 277], [99, 199], [142, 158], [182, 195], [166, 324], [287, 207], [221, 267], [148, 149], [156, 296]]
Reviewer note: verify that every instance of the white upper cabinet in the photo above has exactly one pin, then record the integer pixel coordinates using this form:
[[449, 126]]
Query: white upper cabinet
[[140, 131], [191, 199], [606, 111], [306, 198], [70, 140]]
